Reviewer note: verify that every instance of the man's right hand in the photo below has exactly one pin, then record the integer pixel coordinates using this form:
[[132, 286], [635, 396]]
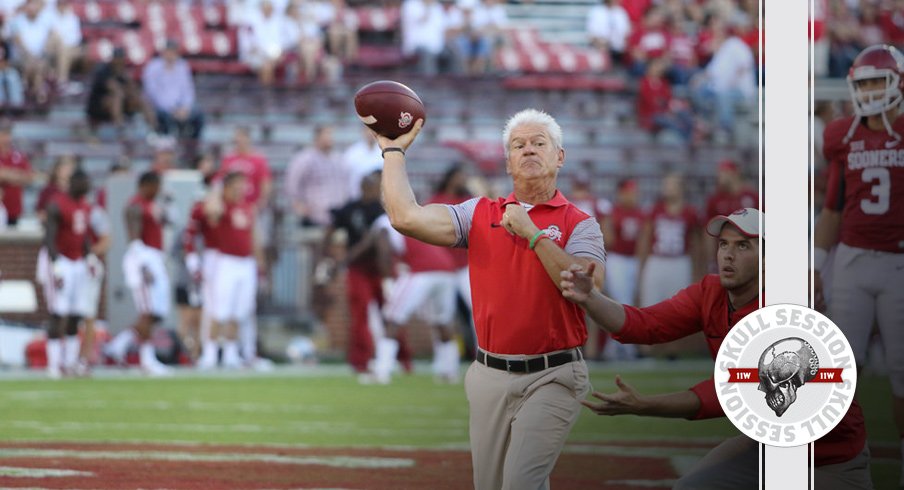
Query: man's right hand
[[625, 401], [403, 141], [577, 283]]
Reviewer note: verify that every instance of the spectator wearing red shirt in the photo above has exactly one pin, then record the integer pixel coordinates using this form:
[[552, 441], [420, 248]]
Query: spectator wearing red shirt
[[668, 244], [15, 173], [649, 40], [681, 52], [622, 227], [713, 306], [254, 165], [656, 109]]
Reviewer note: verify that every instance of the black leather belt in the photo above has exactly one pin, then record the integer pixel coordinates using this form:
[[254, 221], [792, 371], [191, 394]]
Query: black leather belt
[[531, 365]]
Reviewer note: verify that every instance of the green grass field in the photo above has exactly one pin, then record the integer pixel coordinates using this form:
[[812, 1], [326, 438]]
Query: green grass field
[[325, 406]]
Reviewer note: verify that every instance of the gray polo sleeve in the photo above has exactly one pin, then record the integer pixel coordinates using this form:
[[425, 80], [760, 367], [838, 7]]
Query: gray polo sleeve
[[587, 241], [462, 214]]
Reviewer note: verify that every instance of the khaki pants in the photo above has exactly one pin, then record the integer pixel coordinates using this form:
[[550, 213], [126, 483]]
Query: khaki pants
[[519, 422]]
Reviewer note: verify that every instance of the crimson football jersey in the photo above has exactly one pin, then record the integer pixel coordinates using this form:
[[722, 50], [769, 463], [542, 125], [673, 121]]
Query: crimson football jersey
[[73, 225], [671, 233], [866, 184], [626, 224], [151, 222], [235, 230], [199, 225]]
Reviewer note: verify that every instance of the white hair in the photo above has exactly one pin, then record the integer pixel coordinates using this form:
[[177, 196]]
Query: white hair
[[532, 116]]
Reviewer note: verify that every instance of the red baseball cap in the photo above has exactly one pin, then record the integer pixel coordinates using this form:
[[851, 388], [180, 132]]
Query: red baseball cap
[[746, 220]]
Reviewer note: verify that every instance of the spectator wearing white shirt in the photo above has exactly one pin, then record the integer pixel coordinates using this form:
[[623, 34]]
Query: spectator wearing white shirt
[[65, 43], [608, 27], [469, 27], [341, 27], [304, 35], [30, 33], [168, 85], [265, 41], [728, 81], [362, 158], [424, 33]]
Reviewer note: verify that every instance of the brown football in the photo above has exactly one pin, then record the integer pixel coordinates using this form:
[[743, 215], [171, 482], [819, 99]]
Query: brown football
[[388, 107]]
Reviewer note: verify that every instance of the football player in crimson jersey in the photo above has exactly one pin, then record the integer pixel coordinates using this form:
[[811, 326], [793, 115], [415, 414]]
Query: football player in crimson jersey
[[144, 267], [863, 213], [67, 243], [713, 305]]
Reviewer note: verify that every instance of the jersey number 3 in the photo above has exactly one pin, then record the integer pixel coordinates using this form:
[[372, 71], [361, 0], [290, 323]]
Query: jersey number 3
[[881, 189]]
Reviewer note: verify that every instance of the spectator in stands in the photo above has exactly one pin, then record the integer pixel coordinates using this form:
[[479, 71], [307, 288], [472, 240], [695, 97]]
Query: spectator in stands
[[423, 25], [57, 183], [30, 33], [362, 158], [844, 39], [317, 180], [498, 22], [468, 25], [870, 28], [65, 43], [245, 159], [656, 109], [15, 174], [727, 82], [649, 41], [681, 52], [341, 27], [713, 29], [608, 28], [114, 95], [892, 20], [12, 92], [265, 42], [170, 89], [305, 36]]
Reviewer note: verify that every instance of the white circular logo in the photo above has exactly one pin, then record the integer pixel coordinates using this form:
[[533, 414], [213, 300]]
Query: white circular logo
[[785, 375]]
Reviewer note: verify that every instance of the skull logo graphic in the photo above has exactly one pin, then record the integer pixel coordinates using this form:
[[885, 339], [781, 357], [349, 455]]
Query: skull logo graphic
[[784, 367]]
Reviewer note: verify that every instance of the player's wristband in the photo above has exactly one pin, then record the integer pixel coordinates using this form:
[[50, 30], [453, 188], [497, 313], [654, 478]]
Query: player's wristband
[[539, 236], [820, 256], [392, 148]]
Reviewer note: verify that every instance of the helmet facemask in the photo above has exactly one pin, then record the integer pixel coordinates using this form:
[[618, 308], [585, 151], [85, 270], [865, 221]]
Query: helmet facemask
[[874, 102]]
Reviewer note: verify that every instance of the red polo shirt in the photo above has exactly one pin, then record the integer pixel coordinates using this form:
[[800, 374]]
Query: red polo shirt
[[517, 307], [704, 307]]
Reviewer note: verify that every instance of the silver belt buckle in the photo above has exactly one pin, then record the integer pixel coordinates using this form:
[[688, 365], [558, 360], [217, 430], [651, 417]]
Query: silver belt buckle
[[545, 361], [508, 366]]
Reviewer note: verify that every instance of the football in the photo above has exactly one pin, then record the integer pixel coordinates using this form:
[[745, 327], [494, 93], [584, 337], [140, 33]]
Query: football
[[388, 107]]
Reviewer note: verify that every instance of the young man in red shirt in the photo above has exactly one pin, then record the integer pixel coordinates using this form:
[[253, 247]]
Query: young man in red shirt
[[68, 244], [713, 306], [236, 276]]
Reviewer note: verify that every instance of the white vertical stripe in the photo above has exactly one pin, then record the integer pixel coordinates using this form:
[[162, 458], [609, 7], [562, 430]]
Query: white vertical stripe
[[786, 196]]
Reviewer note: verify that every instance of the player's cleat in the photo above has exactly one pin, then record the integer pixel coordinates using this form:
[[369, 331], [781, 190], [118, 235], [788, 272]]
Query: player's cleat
[[156, 369], [81, 369], [54, 373]]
